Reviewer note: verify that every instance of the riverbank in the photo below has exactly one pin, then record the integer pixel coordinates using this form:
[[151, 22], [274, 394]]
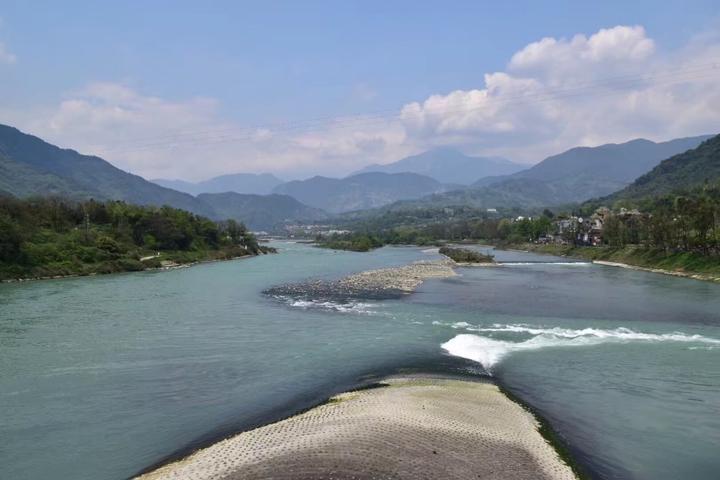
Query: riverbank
[[164, 261], [408, 427], [687, 265]]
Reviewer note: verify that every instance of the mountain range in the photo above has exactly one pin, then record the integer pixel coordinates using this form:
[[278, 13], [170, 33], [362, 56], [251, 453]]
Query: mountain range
[[449, 166], [30, 166], [361, 191], [573, 176], [686, 170], [261, 212], [254, 183]]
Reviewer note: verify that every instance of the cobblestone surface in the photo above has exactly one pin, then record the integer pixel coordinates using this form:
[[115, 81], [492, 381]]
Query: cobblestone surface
[[413, 428]]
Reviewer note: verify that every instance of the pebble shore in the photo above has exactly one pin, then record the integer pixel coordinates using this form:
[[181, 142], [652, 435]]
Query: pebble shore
[[371, 284]]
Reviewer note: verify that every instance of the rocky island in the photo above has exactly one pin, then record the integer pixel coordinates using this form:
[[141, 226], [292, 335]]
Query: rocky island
[[372, 284]]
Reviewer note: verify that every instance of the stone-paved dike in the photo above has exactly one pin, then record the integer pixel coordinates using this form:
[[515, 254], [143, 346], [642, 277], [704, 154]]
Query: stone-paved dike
[[414, 427]]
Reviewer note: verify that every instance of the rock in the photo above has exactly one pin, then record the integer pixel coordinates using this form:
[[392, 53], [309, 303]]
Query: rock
[[372, 284]]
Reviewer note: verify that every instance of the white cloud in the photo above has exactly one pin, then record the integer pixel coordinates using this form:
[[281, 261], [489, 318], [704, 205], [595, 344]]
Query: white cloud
[[610, 86], [6, 56], [155, 137], [556, 93], [618, 44]]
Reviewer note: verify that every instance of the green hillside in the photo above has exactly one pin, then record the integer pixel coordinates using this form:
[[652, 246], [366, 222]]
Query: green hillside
[[688, 170], [573, 176], [261, 212], [31, 167], [361, 191]]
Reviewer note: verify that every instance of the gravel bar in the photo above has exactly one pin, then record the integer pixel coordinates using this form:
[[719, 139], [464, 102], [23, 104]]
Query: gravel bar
[[372, 284]]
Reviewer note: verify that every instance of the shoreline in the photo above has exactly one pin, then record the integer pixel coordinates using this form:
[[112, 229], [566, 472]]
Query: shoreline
[[694, 276], [461, 423], [175, 266], [591, 254]]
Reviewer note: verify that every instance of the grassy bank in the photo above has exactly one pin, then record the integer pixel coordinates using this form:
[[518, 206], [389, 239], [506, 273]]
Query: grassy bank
[[684, 262]]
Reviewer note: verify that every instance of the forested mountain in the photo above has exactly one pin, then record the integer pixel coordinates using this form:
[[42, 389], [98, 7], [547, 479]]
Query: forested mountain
[[447, 165], [572, 176], [684, 171], [261, 212], [258, 184], [31, 166], [365, 190], [586, 172], [613, 162]]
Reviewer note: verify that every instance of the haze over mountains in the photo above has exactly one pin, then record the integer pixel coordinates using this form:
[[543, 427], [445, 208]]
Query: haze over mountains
[[264, 212], [361, 191], [253, 183], [448, 165], [573, 176], [686, 170], [30, 166]]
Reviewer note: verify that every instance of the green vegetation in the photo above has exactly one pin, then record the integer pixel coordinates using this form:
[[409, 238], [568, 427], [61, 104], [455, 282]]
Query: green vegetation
[[685, 262], [30, 167], [569, 177], [678, 232], [437, 231], [464, 255], [53, 237], [687, 221], [687, 170], [357, 242], [262, 212]]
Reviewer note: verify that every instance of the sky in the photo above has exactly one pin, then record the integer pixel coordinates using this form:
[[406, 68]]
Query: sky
[[190, 90]]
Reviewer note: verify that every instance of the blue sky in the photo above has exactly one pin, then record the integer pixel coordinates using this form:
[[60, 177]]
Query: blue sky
[[256, 64]]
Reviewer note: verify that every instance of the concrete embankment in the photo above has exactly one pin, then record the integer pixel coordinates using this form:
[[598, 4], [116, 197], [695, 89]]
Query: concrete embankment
[[410, 427]]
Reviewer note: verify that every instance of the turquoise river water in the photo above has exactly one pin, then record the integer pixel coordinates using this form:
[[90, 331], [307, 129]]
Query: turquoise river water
[[103, 377]]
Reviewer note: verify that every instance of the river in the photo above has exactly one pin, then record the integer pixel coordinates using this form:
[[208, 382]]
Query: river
[[102, 377]]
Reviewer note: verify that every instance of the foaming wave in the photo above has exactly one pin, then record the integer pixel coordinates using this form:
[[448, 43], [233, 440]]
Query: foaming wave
[[574, 264], [343, 307], [490, 351]]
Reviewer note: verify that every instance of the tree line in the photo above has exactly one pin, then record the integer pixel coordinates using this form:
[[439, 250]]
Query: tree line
[[684, 221], [54, 236], [687, 221]]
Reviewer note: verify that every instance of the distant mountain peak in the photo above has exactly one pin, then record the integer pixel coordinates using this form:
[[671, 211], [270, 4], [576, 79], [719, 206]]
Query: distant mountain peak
[[686, 170], [447, 165], [30, 166], [249, 183], [359, 191]]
